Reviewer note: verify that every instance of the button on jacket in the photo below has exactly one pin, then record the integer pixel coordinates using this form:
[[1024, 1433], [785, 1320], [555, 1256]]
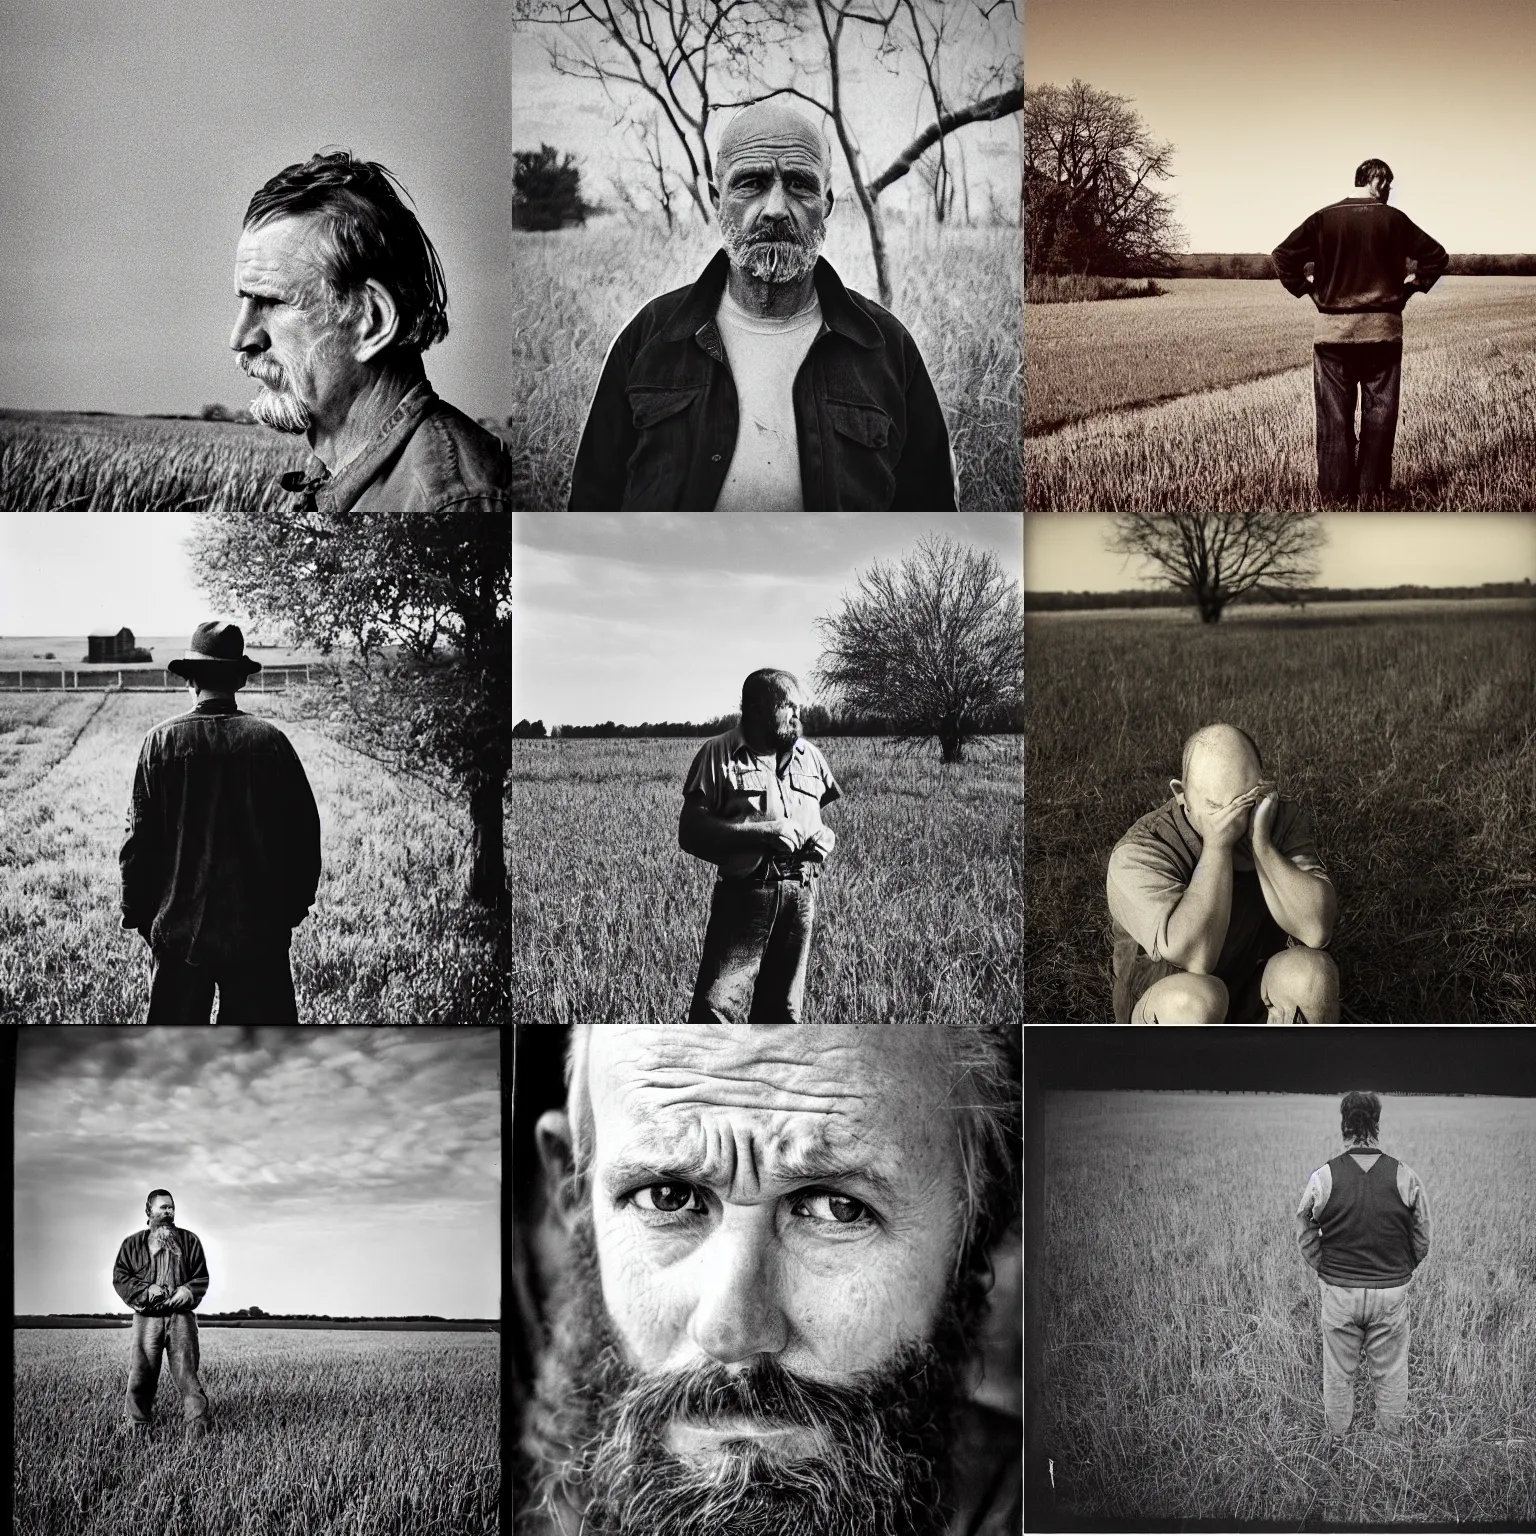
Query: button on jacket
[[137, 1269], [662, 426], [222, 856], [428, 456]]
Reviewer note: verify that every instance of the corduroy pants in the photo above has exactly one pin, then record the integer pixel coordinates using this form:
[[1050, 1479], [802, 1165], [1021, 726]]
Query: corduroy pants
[[175, 1336], [1356, 1317]]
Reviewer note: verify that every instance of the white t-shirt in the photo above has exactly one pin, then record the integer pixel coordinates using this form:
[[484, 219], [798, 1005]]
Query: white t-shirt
[[765, 355]]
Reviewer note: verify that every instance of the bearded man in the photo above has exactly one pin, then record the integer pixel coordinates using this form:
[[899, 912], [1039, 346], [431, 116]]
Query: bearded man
[[778, 1244], [162, 1274], [340, 293], [767, 386]]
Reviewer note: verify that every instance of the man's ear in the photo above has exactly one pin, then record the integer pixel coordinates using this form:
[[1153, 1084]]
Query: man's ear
[[1177, 786], [830, 201], [714, 198], [378, 327], [556, 1153]]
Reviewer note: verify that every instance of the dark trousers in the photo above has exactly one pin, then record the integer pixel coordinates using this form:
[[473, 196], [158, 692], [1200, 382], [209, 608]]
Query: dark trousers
[[756, 949], [1342, 372], [253, 992], [175, 1336]]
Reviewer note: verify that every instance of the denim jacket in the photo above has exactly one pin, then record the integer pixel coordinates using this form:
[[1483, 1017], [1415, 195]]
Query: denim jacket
[[427, 456], [222, 856], [662, 426]]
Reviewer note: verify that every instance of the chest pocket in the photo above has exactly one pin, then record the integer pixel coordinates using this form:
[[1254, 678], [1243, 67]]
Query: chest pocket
[[746, 793], [808, 787], [864, 448], [658, 464]]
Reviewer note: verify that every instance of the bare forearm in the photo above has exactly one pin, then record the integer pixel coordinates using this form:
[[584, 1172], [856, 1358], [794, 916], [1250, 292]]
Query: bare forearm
[[714, 839], [1303, 904], [1197, 927]]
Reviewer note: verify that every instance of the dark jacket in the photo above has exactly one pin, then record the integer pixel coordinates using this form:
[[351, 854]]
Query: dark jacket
[[427, 456], [1359, 249], [662, 426], [134, 1272], [222, 855]]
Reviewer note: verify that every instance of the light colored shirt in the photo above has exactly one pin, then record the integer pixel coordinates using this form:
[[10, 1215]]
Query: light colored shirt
[[1361, 325], [765, 355], [1319, 1190]]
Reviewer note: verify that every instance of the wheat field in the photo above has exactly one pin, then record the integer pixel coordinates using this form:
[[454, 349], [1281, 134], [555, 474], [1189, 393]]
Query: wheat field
[[347, 1434], [389, 939], [1182, 1368]]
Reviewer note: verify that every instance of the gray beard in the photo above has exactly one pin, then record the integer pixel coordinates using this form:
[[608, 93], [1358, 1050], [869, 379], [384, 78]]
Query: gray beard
[[776, 261], [162, 1236], [281, 412]]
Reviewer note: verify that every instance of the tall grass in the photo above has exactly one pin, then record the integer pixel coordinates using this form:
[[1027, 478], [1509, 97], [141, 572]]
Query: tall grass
[[365, 1433], [1182, 1374], [1074, 288], [957, 291], [1410, 732], [390, 939], [916, 915]]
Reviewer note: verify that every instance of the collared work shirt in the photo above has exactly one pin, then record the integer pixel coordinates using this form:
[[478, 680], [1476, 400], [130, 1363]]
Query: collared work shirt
[[427, 456], [664, 420], [222, 855], [137, 1269], [740, 786]]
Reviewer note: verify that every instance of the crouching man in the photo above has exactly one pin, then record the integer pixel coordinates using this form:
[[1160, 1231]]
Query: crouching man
[[1220, 903]]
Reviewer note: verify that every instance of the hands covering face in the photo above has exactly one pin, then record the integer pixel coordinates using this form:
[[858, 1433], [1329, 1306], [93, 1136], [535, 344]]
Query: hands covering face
[[1226, 827]]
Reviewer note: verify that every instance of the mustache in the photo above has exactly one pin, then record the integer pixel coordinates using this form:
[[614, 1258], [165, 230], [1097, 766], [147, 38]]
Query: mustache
[[263, 372]]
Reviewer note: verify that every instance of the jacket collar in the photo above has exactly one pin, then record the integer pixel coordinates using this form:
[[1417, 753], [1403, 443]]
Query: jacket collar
[[215, 707], [838, 312], [324, 492], [737, 746]]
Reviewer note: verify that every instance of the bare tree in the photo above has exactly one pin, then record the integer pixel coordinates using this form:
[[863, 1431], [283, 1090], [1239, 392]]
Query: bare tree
[[936, 645], [1217, 557], [1089, 167]]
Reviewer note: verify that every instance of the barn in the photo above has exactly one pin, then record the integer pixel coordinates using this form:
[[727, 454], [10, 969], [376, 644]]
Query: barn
[[104, 646]]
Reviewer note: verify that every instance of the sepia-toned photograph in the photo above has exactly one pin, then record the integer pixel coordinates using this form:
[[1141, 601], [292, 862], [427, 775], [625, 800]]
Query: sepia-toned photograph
[[1280, 258], [767, 1279], [254, 262], [1278, 768], [767, 255], [254, 761], [257, 1281], [766, 769]]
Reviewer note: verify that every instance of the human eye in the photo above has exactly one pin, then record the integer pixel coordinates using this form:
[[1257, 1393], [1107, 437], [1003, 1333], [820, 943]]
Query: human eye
[[670, 1199], [832, 1209]]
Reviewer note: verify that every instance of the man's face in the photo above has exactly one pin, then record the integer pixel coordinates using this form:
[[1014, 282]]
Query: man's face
[[162, 1211], [775, 1213], [285, 333], [782, 722], [773, 204]]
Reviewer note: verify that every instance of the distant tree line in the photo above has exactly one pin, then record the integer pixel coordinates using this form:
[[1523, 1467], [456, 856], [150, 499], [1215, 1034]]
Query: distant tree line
[[1257, 265], [1057, 602], [816, 719]]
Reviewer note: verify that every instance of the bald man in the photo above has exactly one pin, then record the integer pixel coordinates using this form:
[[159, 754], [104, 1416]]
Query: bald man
[[1220, 904], [766, 386]]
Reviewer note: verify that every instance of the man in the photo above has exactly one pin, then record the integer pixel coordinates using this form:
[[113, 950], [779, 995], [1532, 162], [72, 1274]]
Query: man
[[1367, 261], [222, 856], [340, 293], [778, 1241], [752, 805], [1363, 1225], [1219, 902], [162, 1274], [767, 386]]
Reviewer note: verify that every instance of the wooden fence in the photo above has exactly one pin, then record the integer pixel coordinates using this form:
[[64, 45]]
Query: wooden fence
[[273, 679]]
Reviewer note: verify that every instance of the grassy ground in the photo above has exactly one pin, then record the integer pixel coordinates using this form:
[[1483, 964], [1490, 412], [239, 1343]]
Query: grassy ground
[[1409, 731], [389, 940], [1182, 1373], [917, 914], [1205, 395], [957, 293], [368, 1434]]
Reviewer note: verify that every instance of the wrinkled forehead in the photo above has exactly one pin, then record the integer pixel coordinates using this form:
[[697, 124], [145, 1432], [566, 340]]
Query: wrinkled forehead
[[284, 252], [770, 135]]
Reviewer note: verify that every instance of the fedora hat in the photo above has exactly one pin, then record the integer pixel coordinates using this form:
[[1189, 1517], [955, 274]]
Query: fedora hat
[[218, 651]]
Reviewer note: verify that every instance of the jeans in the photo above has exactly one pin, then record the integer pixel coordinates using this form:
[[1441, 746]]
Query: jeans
[[1352, 1316], [756, 949], [175, 1335], [1340, 371], [255, 992]]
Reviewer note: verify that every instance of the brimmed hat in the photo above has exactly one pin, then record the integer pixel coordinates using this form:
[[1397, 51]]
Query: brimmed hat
[[218, 651]]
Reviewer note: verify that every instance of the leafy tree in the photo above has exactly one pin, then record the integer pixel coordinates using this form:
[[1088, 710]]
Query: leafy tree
[[546, 190], [935, 645], [416, 613], [533, 729]]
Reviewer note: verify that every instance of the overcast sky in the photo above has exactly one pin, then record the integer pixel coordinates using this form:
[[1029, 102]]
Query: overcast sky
[[659, 616], [355, 1172], [1065, 552], [134, 136], [1272, 106]]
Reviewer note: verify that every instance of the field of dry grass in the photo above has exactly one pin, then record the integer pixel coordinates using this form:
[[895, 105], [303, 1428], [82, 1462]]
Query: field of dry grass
[[389, 940], [958, 293]]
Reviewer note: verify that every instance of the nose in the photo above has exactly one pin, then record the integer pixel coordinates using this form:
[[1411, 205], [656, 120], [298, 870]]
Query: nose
[[738, 1313], [776, 203], [247, 335]]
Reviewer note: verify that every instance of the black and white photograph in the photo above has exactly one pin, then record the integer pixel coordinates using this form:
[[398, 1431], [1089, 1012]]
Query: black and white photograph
[[1278, 768], [766, 769], [254, 765], [1280, 1280], [767, 255], [1280, 257], [767, 1279], [257, 1281]]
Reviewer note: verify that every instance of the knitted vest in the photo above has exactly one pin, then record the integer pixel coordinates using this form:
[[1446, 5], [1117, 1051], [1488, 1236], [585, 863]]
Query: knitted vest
[[1366, 1228]]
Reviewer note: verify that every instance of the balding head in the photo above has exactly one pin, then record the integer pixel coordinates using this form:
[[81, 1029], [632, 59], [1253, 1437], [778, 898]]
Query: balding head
[[1219, 752], [772, 131]]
